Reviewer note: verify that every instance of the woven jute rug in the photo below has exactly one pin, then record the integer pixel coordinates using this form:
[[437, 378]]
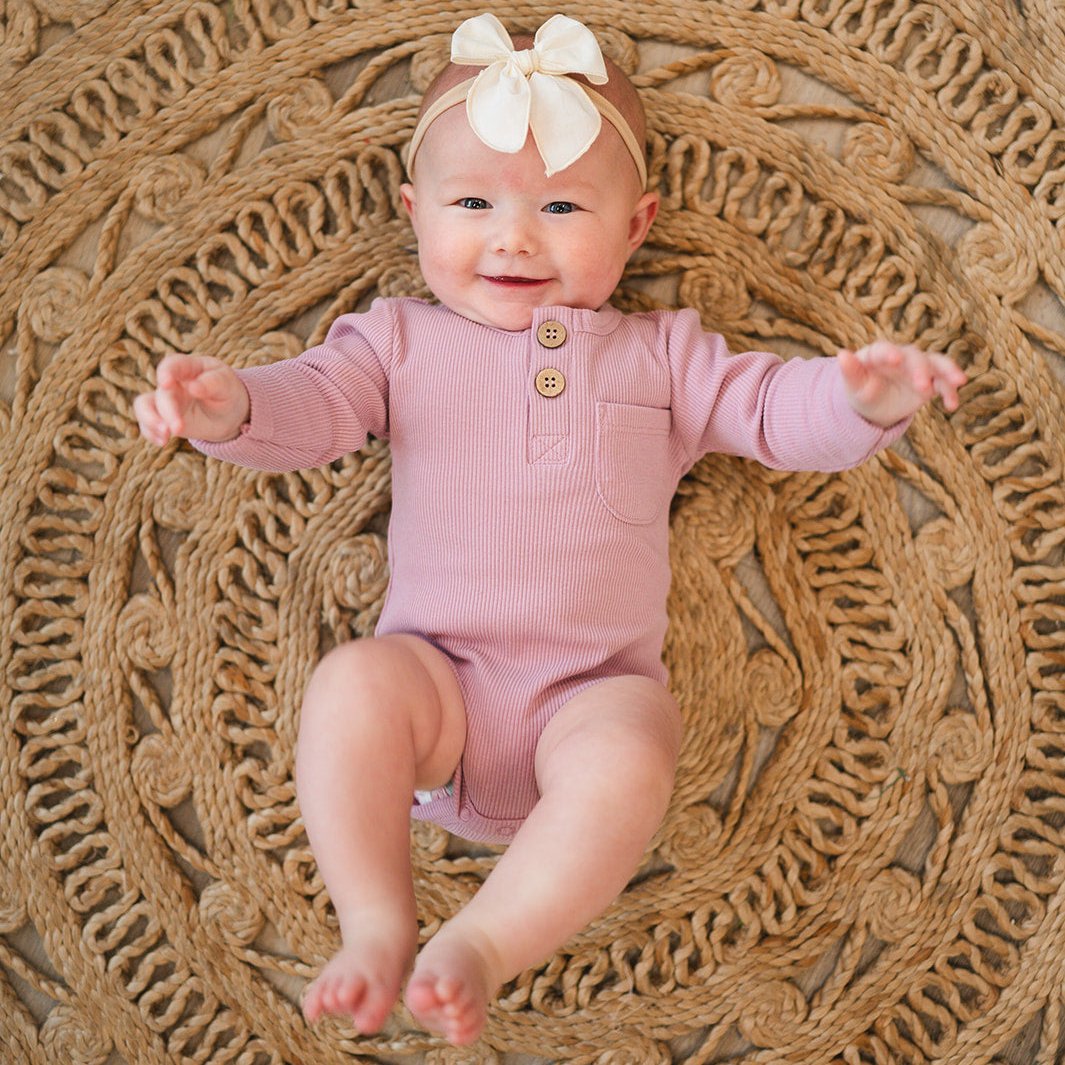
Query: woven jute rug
[[865, 857]]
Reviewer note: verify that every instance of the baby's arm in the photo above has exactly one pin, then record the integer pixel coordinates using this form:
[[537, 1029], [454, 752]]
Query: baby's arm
[[824, 414], [195, 396], [886, 383], [291, 414]]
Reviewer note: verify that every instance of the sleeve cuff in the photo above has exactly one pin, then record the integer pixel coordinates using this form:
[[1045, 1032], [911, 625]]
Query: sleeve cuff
[[867, 437]]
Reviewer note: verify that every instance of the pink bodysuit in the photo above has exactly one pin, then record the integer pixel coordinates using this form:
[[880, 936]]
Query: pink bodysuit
[[532, 475]]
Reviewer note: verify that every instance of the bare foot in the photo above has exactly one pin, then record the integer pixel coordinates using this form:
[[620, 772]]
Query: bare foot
[[363, 978], [451, 987]]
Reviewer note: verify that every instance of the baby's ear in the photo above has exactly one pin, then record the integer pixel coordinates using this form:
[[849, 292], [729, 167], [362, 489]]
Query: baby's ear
[[643, 215], [406, 192]]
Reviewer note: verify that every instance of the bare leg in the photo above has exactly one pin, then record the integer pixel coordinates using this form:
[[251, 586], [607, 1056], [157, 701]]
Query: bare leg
[[574, 854], [380, 718]]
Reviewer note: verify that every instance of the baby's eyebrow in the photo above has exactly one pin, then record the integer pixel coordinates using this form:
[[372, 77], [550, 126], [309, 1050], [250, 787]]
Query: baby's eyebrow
[[480, 184], [463, 181], [577, 190]]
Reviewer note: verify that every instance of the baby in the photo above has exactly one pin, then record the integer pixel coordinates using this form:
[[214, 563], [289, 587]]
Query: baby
[[515, 683]]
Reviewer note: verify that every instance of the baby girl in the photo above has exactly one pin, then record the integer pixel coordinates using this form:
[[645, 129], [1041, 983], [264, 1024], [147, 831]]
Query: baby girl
[[515, 683]]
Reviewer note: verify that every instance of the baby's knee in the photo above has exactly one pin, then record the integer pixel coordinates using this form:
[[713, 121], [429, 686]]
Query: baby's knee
[[654, 719], [654, 766], [627, 729], [652, 739], [642, 762], [360, 672], [346, 660]]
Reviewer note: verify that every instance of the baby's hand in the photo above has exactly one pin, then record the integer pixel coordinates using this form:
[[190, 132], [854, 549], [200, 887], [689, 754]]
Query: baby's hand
[[195, 396], [886, 383]]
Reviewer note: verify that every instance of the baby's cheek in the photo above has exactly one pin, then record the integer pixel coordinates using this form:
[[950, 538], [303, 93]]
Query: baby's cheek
[[602, 267]]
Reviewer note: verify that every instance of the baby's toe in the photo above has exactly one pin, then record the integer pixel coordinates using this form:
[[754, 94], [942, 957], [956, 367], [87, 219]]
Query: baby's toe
[[312, 1002], [372, 1012], [459, 1011], [464, 1027], [329, 996], [348, 993]]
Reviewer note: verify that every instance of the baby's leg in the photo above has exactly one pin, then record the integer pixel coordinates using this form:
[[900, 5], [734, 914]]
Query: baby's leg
[[604, 766], [380, 718]]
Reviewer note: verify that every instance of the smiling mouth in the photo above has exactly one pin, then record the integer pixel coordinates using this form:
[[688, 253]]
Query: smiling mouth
[[526, 282]]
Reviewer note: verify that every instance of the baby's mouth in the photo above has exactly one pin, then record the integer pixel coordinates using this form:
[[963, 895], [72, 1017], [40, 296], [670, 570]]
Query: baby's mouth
[[507, 279]]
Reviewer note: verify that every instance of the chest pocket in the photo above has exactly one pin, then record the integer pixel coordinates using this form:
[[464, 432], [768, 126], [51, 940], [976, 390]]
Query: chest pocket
[[632, 468]]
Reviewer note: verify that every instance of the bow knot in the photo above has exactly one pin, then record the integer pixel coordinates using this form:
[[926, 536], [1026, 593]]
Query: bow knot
[[526, 61], [525, 91]]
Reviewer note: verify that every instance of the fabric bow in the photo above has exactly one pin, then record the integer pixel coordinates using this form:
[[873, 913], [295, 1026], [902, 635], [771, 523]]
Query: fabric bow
[[519, 91]]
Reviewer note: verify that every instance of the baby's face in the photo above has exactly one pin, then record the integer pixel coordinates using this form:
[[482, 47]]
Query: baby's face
[[497, 239]]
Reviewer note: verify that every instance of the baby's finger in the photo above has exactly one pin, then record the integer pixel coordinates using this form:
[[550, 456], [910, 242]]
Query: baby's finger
[[171, 409], [904, 366], [178, 369], [880, 353], [944, 366], [947, 393], [948, 378], [889, 356], [152, 427], [919, 369], [851, 367]]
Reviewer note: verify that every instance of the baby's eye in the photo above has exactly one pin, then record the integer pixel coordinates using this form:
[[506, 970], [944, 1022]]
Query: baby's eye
[[560, 207], [473, 203]]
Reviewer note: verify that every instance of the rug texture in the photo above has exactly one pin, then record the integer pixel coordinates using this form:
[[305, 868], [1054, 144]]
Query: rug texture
[[864, 861]]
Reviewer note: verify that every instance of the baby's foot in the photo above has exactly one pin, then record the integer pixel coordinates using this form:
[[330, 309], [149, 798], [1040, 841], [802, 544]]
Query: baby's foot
[[361, 980], [450, 989]]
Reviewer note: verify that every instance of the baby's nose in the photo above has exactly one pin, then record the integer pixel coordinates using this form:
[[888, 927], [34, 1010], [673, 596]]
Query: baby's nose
[[516, 235]]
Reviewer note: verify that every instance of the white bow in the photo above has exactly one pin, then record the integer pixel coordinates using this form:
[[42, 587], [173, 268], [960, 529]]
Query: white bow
[[519, 91]]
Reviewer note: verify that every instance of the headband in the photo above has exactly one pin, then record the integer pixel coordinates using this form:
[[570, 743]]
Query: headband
[[530, 90]]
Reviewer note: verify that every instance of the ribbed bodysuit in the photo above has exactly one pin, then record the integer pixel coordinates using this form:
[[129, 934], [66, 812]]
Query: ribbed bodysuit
[[529, 533]]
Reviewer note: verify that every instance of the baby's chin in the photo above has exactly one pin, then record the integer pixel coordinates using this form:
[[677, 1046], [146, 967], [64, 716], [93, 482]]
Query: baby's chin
[[514, 320], [510, 317]]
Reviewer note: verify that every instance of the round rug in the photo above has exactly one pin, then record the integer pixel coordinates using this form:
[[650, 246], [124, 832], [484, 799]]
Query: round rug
[[863, 862]]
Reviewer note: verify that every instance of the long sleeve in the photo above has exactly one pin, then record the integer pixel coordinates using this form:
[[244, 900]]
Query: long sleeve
[[310, 410], [791, 415]]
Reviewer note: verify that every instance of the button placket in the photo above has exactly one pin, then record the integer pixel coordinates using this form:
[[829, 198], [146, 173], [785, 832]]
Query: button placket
[[549, 412]]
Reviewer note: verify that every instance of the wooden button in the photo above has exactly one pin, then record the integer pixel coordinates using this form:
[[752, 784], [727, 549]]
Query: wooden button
[[550, 382], [551, 334]]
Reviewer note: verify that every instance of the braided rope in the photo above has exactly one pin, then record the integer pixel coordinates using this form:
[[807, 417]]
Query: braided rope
[[863, 862]]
